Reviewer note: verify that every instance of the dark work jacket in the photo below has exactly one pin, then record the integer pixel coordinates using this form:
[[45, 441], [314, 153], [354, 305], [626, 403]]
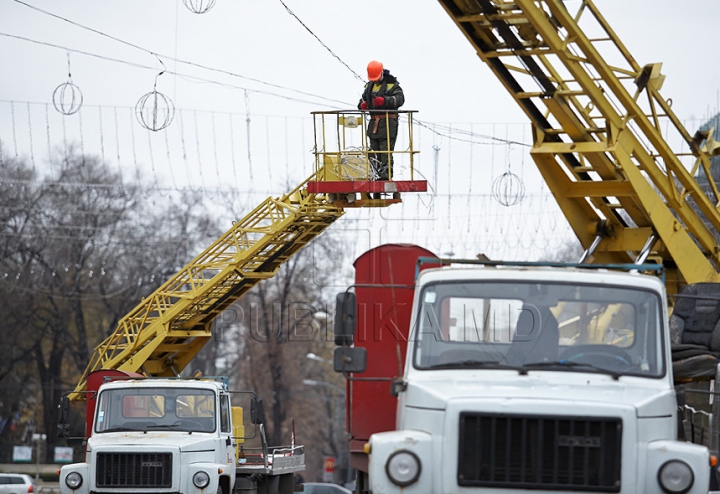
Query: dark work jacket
[[389, 88]]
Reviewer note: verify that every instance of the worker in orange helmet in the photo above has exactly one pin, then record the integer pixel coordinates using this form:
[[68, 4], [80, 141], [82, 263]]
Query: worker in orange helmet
[[382, 96]]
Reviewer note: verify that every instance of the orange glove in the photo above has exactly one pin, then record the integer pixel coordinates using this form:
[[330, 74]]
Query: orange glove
[[378, 101], [364, 105]]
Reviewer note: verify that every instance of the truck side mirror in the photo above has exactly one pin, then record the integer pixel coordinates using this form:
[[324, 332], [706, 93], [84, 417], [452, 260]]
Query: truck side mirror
[[63, 428], [350, 359], [257, 410], [345, 318], [397, 386]]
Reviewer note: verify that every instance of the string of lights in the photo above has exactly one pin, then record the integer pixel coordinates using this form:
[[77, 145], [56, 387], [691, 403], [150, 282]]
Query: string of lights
[[332, 103], [169, 57], [197, 162], [193, 78]]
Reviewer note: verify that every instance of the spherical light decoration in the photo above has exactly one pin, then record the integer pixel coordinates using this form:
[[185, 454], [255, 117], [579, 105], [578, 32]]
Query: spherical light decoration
[[199, 6], [508, 189], [353, 165], [67, 98], [155, 111]]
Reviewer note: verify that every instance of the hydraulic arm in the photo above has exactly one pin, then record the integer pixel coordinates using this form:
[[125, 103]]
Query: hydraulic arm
[[167, 329], [164, 332], [617, 159]]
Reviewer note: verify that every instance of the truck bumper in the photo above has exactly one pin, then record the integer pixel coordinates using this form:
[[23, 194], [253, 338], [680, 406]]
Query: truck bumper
[[418, 446], [187, 486]]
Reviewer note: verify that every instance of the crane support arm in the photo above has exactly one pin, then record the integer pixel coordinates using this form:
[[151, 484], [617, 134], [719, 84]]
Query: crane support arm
[[617, 159], [165, 331]]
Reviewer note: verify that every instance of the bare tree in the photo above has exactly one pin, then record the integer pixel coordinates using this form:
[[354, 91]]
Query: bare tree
[[18, 210], [83, 248], [272, 329]]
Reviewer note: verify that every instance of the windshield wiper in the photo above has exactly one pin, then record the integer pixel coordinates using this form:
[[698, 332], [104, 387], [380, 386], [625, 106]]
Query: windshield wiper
[[123, 429], [174, 427], [567, 365], [480, 364]]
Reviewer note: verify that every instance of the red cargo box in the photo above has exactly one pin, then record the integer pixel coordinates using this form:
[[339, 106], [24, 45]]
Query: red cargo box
[[384, 286]]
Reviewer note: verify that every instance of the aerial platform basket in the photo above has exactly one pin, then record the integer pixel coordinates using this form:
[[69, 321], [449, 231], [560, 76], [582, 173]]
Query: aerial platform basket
[[347, 169]]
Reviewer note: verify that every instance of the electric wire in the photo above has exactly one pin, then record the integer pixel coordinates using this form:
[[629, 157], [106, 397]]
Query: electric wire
[[321, 42], [156, 54], [419, 122], [432, 127], [331, 102]]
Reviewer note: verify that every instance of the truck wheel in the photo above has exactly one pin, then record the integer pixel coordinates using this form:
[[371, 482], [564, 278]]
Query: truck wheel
[[361, 483], [223, 486]]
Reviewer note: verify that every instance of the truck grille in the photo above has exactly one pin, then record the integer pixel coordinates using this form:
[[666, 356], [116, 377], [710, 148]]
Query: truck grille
[[540, 452], [134, 470]]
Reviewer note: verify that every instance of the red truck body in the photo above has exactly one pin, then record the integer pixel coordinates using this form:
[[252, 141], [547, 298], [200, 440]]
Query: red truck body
[[94, 381], [384, 287]]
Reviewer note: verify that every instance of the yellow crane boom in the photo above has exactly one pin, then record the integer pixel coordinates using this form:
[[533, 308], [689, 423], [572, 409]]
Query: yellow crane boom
[[617, 159], [165, 331]]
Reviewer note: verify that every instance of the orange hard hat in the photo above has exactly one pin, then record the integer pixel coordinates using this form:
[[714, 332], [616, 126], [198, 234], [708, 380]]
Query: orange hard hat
[[375, 71]]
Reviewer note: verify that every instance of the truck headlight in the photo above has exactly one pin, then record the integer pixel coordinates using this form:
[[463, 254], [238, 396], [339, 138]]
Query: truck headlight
[[403, 467], [73, 480], [201, 480], [676, 476]]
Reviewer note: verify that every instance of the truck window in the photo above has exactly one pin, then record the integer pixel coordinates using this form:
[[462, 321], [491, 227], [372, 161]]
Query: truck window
[[596, 324], [470, 320], [100, 418], [143, 406], [556, 326], [224, 413], [195, 405], [158, 408]]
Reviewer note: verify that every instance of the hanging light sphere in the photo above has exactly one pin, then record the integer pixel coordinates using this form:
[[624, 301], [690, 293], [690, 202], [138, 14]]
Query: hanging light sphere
[[508, 189], [67, 98], [199, 6], [155, 111]]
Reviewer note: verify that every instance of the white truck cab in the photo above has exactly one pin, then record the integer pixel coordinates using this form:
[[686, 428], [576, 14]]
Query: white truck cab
[[538, 379], [175, 436]]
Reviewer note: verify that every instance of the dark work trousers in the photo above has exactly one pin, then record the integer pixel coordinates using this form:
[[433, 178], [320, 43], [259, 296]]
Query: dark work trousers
[[382, 162]]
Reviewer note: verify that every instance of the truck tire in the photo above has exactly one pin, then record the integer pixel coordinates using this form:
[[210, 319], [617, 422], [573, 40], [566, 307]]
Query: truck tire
[[223, 485], [361, 483]]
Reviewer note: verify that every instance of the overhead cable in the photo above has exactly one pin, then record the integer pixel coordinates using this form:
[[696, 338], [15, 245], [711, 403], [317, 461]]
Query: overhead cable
[[321, 42], [167, 57], [178, 74]]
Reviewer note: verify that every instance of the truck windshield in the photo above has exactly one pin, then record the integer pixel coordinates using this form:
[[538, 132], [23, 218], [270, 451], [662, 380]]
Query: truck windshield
[[148, 409], [549, 326]]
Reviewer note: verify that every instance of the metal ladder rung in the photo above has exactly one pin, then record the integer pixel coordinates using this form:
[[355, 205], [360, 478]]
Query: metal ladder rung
[[601, 189]]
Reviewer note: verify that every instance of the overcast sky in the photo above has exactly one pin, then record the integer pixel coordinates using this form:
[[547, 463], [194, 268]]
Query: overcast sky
[[270, 66], [259, 39]]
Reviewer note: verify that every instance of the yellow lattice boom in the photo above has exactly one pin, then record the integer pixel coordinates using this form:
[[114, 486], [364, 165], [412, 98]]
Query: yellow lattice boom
[[165, 331], [602, 134]]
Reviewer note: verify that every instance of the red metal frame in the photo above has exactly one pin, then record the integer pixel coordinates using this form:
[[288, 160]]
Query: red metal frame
[[384, 287], [94, 381], [350, 186]]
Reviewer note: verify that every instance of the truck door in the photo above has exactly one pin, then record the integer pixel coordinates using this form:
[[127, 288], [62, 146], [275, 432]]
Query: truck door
[[226, 431]]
